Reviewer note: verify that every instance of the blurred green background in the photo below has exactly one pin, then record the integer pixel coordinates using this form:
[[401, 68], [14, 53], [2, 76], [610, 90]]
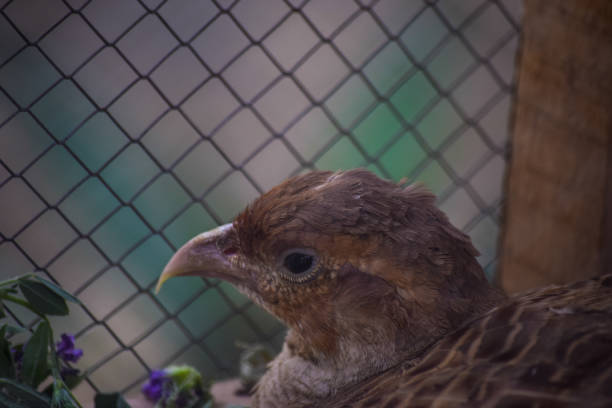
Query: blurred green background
[[127, 127]]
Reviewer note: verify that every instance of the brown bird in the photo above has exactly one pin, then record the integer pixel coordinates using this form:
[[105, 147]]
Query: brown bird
[[387, 306]]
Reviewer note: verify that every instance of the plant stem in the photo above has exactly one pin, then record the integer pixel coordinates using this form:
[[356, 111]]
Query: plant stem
[[13, 281], [23, 303]]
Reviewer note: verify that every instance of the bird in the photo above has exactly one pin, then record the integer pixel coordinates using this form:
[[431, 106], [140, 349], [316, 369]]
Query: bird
[[387, 306]]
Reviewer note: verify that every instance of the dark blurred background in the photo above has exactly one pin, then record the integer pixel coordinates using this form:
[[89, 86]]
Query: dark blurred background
[[128, 126]]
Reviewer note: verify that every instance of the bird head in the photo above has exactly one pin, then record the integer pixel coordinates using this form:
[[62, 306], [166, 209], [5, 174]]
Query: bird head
[[348, 261]]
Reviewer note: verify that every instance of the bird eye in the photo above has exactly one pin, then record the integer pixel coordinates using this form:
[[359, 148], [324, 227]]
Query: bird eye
[[299, 265]]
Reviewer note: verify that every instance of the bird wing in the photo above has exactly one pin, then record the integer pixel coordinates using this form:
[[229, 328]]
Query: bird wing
[[549, 347]]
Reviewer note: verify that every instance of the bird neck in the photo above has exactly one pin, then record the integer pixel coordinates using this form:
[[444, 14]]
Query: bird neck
[[300, 377], [369, 327]]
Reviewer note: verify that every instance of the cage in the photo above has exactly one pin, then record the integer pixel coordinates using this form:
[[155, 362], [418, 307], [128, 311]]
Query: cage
[[127, 127]]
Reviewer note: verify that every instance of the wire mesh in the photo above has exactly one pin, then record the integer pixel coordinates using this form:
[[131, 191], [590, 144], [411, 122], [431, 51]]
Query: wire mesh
[[126, 127]]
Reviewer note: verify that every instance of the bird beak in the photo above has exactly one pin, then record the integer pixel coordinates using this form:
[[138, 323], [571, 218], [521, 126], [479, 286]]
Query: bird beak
[[201, 256]]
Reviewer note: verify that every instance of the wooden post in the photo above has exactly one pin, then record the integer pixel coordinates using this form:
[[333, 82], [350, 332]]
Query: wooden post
[[606, 264], [557, 225]]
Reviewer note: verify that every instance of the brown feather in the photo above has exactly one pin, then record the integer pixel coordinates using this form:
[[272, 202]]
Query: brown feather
[[549, 347], [396, 310]]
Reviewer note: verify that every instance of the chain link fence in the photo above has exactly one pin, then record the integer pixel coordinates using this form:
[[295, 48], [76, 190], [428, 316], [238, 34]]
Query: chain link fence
[[128, 126]]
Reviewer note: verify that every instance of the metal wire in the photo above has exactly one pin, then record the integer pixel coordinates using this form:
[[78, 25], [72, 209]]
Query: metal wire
[[225, 9]]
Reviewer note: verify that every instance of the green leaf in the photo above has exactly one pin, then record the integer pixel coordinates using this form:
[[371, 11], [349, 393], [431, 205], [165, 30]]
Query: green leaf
[[58, 290], [114, 400], [22, 394], [5, 291], [9, 402], [54, 363], [35, 369], [12, 330], [62, 398], [42, 299], [7, 367]]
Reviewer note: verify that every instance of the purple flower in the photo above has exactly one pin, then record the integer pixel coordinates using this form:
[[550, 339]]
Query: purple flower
[[65, 349], [17, 354], [175, 387], [156, 387]]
